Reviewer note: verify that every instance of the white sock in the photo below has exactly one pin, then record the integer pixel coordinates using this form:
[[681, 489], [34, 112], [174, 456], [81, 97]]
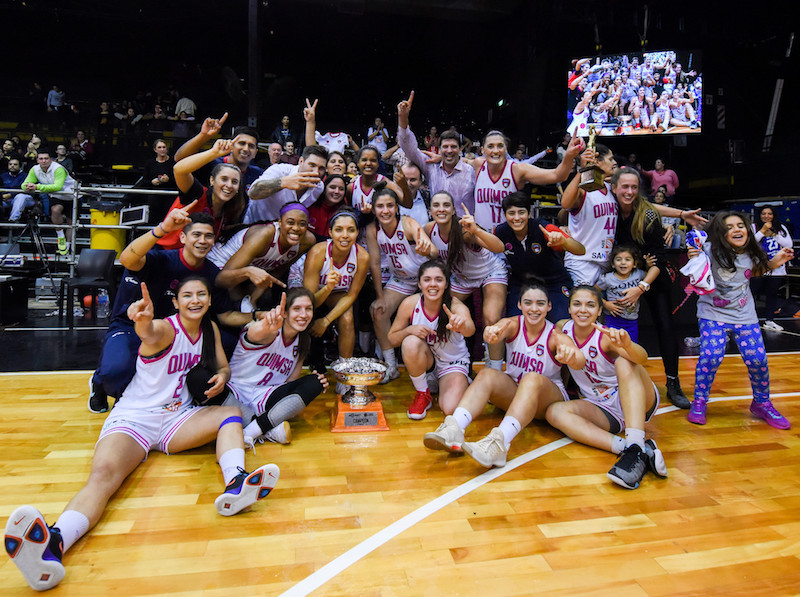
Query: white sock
[[495, 364], [60, 234], [73, 525], [390, 358], [230, 463], [617, 444], [510, 428], [634, 436], [420, 382], [463, 417], [253, 430]]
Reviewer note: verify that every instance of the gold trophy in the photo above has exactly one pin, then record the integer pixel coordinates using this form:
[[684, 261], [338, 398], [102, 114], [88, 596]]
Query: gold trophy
[[592, 176]]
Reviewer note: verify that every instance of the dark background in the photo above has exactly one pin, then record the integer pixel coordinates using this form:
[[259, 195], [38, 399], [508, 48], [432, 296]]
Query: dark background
[[359, 57]]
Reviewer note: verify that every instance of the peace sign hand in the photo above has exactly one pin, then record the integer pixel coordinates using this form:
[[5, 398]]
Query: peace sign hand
[[457, 322], [310, 111], [142, 310], [619, 338]]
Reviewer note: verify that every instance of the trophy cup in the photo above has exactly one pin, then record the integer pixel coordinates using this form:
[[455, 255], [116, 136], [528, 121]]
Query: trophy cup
[[358, 409], [592, 176]]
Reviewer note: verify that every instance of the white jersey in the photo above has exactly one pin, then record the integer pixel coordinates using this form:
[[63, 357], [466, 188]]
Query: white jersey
[[477, 262], [447, 350], [346, 269], [579, 124], [254, 366], [333, 141], [275, 258], [404, 261], [220, 253], [594, 225], [532, 356], [361, 194], [159, 380], [599, 376], [489, 195]]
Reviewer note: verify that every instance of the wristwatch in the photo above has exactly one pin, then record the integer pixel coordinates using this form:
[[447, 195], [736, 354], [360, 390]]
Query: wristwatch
[[644, 286]]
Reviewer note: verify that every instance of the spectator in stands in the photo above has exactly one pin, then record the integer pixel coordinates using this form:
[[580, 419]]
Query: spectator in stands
[[81, 149], [105, 130], [55, 99], [338, 142], [432, 140], [157, 175], [662, 176], [273, 155], [62, 158], [377, 136], [55, 186], [289, 156], [29, 156], [283, 133], [186, 105], [11, 179]]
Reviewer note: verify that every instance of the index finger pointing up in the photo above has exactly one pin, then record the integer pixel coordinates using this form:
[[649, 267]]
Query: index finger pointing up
[[224, 118], [448, 312], [146, 293], [410, 98], [464, 207], [282, 306]]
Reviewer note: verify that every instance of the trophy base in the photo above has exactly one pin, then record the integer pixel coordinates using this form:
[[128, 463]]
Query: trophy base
[[347, 418]]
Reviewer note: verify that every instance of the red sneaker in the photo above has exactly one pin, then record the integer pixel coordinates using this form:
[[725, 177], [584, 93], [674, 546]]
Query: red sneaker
[[420, 405]]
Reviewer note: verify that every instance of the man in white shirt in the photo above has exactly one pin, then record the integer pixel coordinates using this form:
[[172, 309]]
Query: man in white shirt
[[377, 136], [283, 183]]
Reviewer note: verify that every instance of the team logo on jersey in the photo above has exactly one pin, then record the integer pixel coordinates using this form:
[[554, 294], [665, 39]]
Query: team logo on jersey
[[506, 182], [295, 351], [593, 352], [536, 248], [509, 249], [565, 291], [351, 267], [400, 235], [539, 350]]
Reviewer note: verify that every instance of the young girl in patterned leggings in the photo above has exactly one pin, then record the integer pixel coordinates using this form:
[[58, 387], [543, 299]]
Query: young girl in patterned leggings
[[735, 257]]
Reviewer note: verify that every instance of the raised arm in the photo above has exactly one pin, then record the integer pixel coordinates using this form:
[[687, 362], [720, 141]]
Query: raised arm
[[210, 129], [184, 170], [406, 139], [474, 232], [135, 254], [310, 116], [503, 330], [155, 334], [536, 175]]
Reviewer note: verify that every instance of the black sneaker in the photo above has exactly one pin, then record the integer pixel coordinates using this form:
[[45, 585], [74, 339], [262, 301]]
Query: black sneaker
[[630, 467], [675, 393], [98, 399], [247, 488], [654, 458]]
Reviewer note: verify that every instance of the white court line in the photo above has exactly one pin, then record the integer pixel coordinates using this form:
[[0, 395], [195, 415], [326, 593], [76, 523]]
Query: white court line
[[24, 373], [354, 554]]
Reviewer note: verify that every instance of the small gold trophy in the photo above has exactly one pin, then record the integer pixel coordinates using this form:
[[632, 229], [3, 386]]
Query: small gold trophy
[[591, 175]]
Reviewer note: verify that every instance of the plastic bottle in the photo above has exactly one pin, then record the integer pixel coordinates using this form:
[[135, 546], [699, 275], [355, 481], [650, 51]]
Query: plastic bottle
[[102, 303]]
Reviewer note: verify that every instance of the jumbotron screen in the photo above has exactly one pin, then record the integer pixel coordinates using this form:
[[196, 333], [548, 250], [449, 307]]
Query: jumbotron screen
[[639, 93]]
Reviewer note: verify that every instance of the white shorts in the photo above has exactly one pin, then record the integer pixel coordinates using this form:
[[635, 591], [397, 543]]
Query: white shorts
[[584, 272], [442, 368], [152, 429], [251, 400], [401, 285], [612, 409], [497, 275]]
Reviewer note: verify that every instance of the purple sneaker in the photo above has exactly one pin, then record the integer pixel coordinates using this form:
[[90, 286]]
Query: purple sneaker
[[765, 410], [697, 412]]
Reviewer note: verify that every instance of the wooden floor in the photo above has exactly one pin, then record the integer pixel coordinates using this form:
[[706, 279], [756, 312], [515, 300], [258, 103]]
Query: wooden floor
[[725, 522]]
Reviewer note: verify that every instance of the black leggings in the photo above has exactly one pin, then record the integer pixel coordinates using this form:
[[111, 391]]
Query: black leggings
[[767, 285], [658, 300], [289, 400]]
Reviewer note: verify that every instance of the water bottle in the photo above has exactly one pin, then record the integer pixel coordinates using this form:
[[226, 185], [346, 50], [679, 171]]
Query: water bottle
[[102, 303]]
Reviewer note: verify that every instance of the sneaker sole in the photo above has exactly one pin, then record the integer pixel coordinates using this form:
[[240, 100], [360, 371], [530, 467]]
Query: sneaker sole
[[256, 486], [620, 482], [659, 465], [26, 540], [488, 464], [419, 416], [434, 442]]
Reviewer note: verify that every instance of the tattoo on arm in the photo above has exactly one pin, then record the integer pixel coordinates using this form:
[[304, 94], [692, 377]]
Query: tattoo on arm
[[265, 188]]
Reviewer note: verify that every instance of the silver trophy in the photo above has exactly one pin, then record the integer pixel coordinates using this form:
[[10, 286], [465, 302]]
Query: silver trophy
[[358, 373]]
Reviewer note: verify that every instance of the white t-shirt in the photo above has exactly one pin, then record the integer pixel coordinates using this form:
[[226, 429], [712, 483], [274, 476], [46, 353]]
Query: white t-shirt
[[269, 209]]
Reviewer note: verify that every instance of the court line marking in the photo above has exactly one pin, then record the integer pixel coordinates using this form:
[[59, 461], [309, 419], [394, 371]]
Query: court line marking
[[338, 565]]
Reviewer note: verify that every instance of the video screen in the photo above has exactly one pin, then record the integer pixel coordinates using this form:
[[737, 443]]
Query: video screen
[[639, 93]]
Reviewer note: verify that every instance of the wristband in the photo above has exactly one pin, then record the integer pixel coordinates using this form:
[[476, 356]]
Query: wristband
[[153, 231], [254, 316], [644, 286]]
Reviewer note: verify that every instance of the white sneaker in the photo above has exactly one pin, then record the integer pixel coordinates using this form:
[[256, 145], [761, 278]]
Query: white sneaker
[[490, 451], [772, 326], [280, 434], [391, 373], [448, 436]]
